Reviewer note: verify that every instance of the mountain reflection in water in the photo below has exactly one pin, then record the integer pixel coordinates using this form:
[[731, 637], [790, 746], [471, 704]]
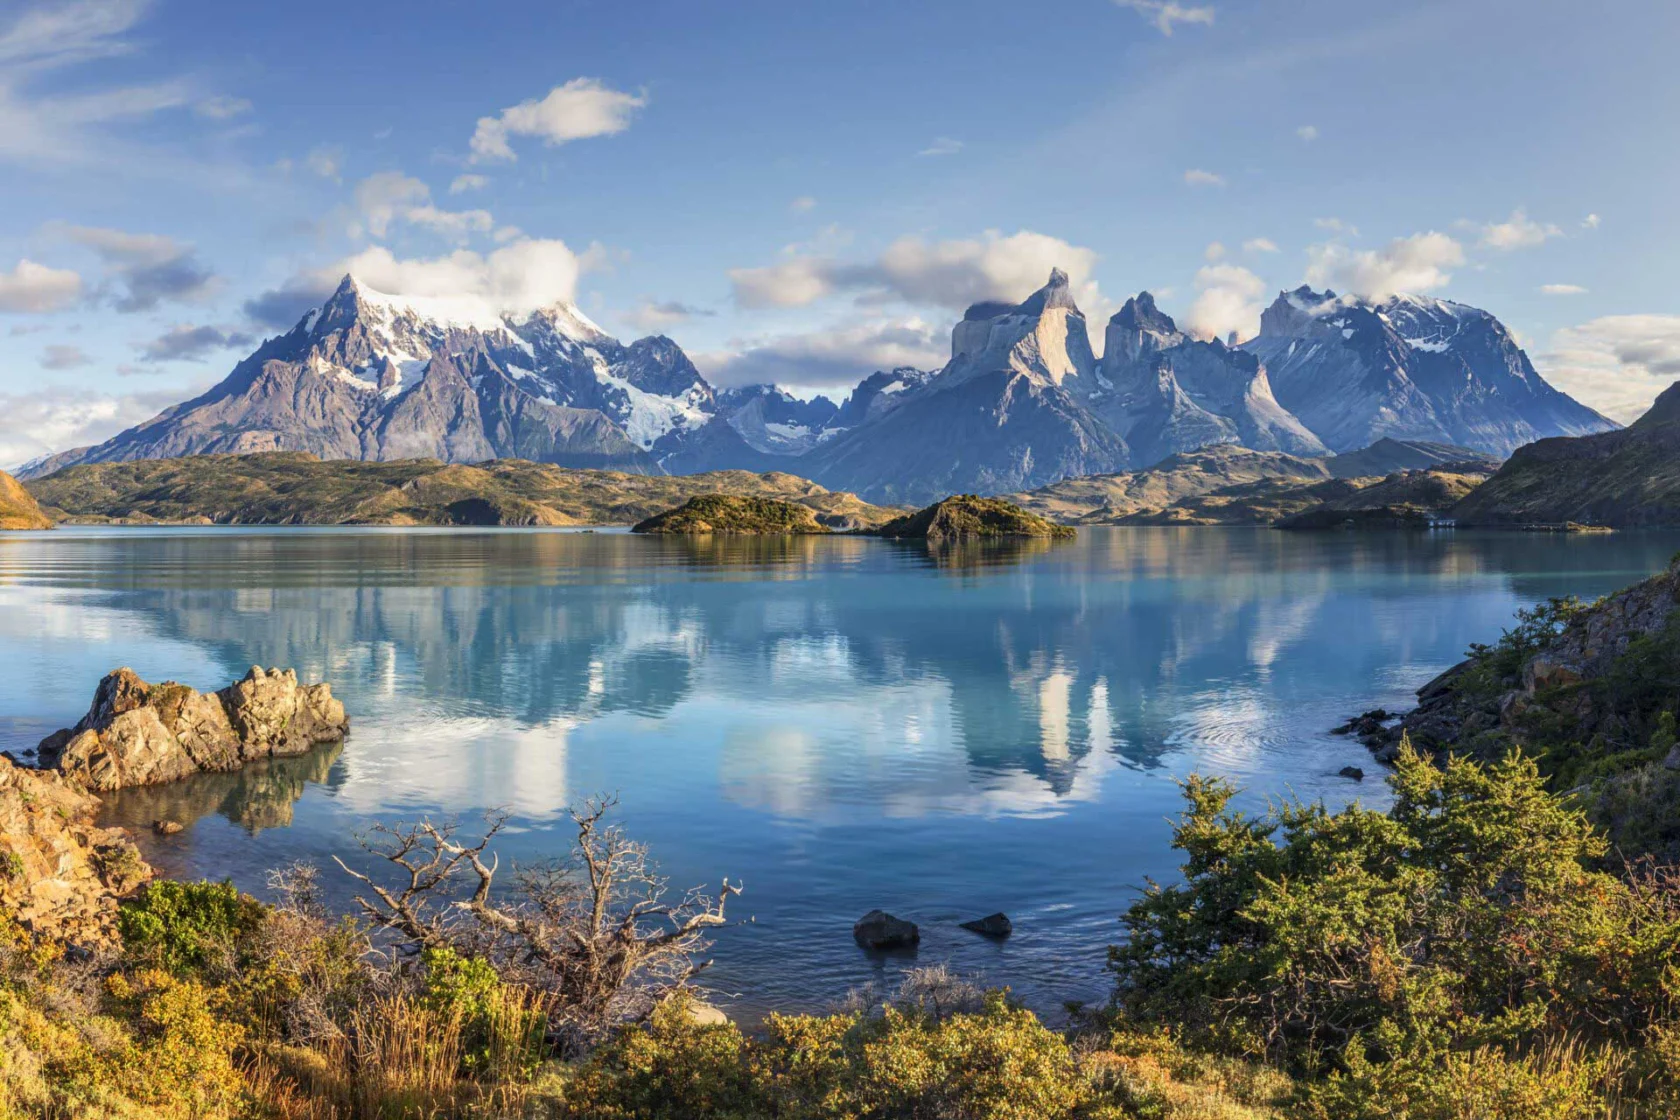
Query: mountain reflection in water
[[843, 722]]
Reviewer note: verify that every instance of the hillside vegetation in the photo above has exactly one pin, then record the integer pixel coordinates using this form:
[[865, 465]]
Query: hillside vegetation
[[728, 513], [968, 517], [18, 508], [295, 488], [1625, 479]]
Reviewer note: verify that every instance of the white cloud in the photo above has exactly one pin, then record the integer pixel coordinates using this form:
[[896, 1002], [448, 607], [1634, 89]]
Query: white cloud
[[1165, 14], [326, 162], [803, 204], [581, 108], [1407, 264], [1617, 364], [1260, 245], [832, 358], [1562, 289], [1228, 298], [1591, 221], [38, 423], [949, 274], [942, 146], [1518, 231], [1214, 251], [31, 287], [468, 182], [1196, 177], [1307, 132], [1336, 227], [222, 108], [655, 316], [390, 196], [60, 357], [518, 277]]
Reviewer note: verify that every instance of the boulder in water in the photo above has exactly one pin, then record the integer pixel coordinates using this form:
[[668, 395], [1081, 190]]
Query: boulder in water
[[996, 926], [881, 930]]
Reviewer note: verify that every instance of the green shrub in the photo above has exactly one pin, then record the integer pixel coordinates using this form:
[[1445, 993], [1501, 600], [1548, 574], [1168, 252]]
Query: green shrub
[[1465, 918], [187, 927]]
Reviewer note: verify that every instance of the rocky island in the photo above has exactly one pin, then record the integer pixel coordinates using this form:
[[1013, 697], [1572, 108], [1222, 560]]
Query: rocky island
[[966, 517], [137, 734], [730, 513]]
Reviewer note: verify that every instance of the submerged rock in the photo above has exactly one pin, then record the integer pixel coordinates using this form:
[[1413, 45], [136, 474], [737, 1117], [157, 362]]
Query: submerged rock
[[880, 930], [1353, 772], [138, 734], [992, 925], [61, 876]]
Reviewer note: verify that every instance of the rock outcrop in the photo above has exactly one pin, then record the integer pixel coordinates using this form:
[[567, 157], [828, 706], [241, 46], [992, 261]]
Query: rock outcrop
[[996, 926], [139, 734], [726, 513], [61, 876]]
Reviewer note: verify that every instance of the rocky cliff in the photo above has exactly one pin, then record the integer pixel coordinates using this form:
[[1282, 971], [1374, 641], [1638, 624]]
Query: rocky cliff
[[18, 508]]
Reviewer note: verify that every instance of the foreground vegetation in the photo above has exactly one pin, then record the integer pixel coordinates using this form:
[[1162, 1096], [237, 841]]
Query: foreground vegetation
[[1459, 956]]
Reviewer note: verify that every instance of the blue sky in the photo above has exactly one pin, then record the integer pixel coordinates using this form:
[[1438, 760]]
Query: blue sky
[[804, 193]]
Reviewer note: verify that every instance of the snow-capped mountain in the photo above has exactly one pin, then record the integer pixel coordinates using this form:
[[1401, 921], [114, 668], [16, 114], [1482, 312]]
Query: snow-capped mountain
[[372, 376], [1166, 392], [1412, 367]]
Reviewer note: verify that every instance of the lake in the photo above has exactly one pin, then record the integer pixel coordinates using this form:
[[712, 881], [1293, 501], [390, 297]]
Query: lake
[[839, 723]]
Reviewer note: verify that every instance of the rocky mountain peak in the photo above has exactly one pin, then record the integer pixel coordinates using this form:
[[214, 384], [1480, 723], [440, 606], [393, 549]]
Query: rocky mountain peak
[[1043, 337], [1139, 328], [1055, 295]]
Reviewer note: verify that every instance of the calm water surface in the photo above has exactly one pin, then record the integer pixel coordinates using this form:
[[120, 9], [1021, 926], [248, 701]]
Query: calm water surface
[[841, 723]]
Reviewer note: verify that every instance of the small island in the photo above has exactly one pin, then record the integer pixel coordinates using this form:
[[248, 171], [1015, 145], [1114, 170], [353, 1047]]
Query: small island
[[968, 517], [734, 514]]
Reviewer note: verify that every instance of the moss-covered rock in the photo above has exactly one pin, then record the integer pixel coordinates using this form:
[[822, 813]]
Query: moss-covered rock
[[967, 517], [729, 513]]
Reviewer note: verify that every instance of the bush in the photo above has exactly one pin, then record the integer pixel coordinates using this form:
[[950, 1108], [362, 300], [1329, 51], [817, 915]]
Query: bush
[[1464, 921], [186, 927]]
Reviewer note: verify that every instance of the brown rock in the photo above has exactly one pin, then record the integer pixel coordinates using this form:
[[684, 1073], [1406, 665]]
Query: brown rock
[[138, 734], [60, 875], [167, 827]]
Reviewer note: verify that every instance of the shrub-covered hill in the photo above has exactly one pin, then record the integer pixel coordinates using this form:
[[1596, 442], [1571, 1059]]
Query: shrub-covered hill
[[730, 513], [296, 488], [967, 517], [18, 508]]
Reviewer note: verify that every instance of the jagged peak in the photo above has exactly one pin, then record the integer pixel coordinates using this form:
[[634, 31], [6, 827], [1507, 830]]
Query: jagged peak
[[1055, 294], [1140, 313]]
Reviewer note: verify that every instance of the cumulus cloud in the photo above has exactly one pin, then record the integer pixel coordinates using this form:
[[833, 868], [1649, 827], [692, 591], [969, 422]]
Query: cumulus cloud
[[222, 108], [1167, 14], [1196, 177], [1307, 132], [832, 358], [654, 316], [1260, 245], [1562, 289], [31, 287], [1407, 264], [942, 146], [950, 274], [388, 197], [518, 277], [1591, 221], [1519, 231], [145, 269], [184, 343], [468, 182], [64, 357], [1228, 298], [1617, 364], [39, 423], [582, 108]]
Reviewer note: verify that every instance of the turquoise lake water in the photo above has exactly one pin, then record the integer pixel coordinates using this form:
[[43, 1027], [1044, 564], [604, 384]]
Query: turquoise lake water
[[839, 723]]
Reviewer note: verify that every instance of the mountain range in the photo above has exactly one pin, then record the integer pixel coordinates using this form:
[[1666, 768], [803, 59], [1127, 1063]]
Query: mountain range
[[1022, 403]]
